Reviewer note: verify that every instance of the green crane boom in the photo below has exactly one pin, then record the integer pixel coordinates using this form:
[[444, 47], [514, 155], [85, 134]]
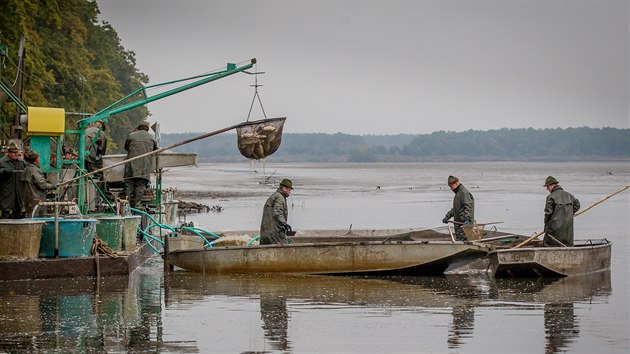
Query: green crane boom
[[120, 106]]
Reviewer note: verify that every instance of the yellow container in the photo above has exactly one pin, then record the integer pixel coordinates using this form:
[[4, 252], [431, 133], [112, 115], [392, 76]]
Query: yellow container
[[46, 121]]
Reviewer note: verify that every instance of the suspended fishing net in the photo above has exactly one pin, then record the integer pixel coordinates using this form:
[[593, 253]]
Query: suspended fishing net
[[261, 138], [474, 231]]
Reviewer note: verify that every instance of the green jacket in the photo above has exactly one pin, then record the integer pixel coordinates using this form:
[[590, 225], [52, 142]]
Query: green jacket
[[34, 187], [275, 215], [560, 207], [10, 191], [95, 143], [463, 206], [139, 142]]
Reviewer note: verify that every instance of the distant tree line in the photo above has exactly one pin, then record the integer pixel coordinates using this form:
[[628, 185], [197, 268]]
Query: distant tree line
[[503, 144]]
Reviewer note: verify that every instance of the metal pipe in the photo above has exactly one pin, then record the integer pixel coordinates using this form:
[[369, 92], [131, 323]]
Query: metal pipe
[[57, 203], [216, 132], [56, 231], [167, 264], [110, 110]]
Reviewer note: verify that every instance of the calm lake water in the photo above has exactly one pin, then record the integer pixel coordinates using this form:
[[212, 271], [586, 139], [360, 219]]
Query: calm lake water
[[186, 312]]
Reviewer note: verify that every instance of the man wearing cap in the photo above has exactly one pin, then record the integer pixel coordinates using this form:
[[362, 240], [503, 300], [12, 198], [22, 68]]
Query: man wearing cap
[[138, 172], [463, 210], [34, 185], [11, 169], [560, 208], [274, 227]]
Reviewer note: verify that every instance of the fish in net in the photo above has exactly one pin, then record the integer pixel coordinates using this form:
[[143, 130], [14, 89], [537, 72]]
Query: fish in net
[[259, 139]]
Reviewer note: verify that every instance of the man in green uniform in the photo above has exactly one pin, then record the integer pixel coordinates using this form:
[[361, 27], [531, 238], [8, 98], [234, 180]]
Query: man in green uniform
[[560, 208], [463, 210], [11, 169], [138, 172], [274, 227], [96, 145], [34, 185]]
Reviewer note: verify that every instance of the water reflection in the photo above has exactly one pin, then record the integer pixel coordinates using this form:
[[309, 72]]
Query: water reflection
[[127, 314], [559, 297], [460, 295], [275, 318], [79, 315], [463, 324], [561, 326]]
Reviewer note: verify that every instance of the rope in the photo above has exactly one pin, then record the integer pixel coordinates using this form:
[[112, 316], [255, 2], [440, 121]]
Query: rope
[[101, 247], [256, 95], [29, 76]]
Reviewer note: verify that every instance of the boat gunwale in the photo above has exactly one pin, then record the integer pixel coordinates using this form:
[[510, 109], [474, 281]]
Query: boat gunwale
[[326, 244], [603, 244]]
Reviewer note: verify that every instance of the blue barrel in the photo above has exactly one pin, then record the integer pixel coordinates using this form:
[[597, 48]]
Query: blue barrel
[[75, 237], [47, 242]]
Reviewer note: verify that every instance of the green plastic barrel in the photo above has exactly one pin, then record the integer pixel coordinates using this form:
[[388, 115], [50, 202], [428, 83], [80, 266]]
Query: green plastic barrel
[[110, 230]]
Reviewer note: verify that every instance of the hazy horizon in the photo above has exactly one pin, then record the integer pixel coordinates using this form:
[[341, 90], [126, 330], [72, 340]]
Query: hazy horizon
[[392, 134]]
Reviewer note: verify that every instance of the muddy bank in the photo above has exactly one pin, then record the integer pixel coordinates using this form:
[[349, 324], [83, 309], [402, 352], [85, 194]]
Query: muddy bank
[[191, 194]]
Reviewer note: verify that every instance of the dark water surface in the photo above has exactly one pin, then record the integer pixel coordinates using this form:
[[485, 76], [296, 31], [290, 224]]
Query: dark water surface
[[186, 312]]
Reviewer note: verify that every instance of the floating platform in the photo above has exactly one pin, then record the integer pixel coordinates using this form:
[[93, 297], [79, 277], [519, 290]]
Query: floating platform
[[89, 266]]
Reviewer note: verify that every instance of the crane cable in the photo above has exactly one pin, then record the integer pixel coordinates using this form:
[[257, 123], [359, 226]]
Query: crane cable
[[256, 95]]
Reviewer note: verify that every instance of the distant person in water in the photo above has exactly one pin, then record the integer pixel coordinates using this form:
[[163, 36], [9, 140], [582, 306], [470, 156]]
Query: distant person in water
[[274, 227], [463, 211], [560, 209]]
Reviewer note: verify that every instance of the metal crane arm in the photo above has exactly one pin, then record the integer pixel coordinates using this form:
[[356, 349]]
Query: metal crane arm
[[114, 108]]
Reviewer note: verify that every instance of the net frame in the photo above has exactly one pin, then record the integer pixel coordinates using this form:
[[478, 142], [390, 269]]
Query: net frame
[[261, 138]]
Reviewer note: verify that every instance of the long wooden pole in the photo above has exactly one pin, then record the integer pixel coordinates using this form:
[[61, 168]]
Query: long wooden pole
[[576, 214], [216, 132]]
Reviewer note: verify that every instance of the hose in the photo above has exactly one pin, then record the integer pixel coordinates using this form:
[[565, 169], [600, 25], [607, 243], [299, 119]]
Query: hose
[[194, 230], [256, 238]]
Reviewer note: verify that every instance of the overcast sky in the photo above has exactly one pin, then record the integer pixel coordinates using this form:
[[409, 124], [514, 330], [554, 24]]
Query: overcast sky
[[385, 67]]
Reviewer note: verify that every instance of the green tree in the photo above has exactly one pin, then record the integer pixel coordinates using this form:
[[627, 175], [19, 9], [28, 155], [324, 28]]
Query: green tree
[[72, 62]]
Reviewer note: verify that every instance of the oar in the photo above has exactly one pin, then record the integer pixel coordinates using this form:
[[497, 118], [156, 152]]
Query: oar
[[576, 214], [479, 223]]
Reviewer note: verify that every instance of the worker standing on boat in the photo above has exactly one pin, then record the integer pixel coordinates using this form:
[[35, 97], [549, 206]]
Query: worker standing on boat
[[96, 145], [463, 211], [138, 172], [11, 169], [34, 184], [560, 208], [274, 227]]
